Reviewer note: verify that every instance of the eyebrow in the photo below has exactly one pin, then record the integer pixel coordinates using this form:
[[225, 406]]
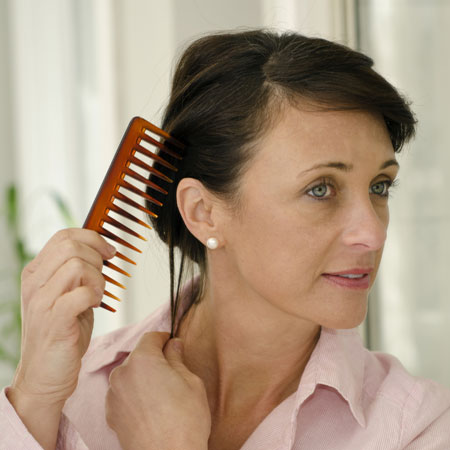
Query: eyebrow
[[347, 167]]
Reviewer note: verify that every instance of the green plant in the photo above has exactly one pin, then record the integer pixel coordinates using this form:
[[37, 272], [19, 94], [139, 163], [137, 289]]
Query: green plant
[[10, 325]]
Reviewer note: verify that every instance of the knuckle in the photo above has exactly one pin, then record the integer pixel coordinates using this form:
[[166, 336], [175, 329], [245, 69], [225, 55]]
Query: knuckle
[[76, 264], [70, 247], [63, 234]]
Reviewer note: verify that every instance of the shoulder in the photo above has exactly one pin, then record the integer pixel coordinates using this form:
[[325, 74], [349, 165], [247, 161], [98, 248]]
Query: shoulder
[[386, 376], [423, 405]]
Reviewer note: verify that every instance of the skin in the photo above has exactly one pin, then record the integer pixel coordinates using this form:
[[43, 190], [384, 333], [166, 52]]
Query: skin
[[267, 269], [271, 257]]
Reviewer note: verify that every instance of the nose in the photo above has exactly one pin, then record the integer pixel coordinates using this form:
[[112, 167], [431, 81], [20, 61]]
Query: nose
[[365, 225]]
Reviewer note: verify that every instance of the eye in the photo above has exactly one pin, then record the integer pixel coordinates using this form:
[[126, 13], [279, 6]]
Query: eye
[[321, 191], [382, 188]]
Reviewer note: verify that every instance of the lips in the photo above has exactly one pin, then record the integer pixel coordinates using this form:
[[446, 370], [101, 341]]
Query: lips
[[357, 278]]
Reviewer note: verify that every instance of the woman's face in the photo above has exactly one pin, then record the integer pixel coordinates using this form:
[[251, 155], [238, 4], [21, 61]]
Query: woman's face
[[315, 203]]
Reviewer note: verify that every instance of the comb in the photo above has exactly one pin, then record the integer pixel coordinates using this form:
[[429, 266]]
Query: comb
[[137, 141]]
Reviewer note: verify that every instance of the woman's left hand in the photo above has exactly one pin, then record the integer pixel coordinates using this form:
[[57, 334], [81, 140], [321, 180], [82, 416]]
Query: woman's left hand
[[154, 402]]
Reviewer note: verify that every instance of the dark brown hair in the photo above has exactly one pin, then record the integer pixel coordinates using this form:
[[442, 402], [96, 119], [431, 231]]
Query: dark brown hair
[[225, 93]]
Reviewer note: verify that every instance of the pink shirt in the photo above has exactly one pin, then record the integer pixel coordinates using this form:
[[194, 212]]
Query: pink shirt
[[348, 398]]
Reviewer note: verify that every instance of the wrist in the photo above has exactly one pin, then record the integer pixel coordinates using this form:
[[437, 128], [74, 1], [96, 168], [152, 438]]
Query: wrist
[[40, 417], [29, 401]]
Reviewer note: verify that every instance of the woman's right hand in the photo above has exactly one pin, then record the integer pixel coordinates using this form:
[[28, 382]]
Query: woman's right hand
[[59, 289]]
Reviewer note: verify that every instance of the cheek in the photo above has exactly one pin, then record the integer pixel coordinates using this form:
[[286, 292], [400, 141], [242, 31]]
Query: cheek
[[281, 251]]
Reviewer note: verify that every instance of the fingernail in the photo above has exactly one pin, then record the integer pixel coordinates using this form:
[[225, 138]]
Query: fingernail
[[111, 249]]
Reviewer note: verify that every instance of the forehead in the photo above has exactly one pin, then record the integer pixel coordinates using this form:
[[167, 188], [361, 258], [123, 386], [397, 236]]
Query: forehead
[[306, 135]]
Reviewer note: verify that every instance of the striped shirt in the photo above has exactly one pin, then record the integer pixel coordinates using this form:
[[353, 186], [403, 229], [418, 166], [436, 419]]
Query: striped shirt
[[347, 398]]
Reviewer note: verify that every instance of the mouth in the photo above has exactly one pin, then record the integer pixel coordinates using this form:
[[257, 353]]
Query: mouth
[[352, 279]]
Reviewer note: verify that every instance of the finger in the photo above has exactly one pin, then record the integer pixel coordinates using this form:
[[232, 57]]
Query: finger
[[57, 255], [70, 305], [152, 343], [88, 237], [173, 352], [69, 276]]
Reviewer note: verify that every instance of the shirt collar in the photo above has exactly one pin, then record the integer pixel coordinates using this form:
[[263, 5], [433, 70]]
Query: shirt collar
[[337, 360]]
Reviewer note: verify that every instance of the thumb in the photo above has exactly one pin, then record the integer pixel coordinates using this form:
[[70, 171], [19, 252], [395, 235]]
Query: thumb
[[173, 351]]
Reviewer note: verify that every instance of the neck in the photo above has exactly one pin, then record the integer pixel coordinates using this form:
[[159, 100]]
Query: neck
[[248, 353]]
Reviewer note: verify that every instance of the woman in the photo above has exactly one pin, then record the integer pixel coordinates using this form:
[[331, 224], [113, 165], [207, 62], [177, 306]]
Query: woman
[[282, 202]]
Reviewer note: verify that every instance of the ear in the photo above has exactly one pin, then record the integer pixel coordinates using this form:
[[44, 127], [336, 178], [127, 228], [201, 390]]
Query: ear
[[198, 208]]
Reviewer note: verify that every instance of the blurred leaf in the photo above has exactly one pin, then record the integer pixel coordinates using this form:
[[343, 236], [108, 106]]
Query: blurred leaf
[[63, 209], [11, 202], [20, 249]]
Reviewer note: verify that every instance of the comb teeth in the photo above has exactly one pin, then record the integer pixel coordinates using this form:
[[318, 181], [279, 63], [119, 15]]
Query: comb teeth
[[133, 188], [145, 166], [126, 214], [155, 157], [140, 178], [131, 202], [122, 227], [135, 140]]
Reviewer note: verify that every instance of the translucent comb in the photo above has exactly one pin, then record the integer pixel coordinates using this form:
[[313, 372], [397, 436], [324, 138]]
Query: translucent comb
[[124, 171]]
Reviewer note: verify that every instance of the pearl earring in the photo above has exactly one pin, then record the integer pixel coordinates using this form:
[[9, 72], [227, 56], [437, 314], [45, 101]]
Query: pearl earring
[[212, 243]]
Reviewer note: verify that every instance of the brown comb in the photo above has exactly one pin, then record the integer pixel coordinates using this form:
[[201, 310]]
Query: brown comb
[[136, 141]]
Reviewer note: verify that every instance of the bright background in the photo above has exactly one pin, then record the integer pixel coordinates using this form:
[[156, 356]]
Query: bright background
[[74, 72]]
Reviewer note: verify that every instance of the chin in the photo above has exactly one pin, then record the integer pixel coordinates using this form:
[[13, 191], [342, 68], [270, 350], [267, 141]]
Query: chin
[[346, 321]]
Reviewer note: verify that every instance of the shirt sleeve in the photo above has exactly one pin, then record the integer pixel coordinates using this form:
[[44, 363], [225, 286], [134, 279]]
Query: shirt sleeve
[[14, 434]]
